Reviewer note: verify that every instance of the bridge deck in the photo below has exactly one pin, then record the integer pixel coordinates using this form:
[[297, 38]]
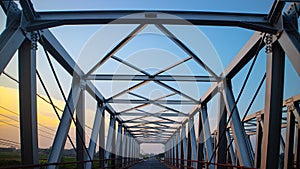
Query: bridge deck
[[150, 164]]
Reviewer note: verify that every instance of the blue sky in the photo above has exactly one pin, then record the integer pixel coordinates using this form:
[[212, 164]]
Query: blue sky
[[87, 44]]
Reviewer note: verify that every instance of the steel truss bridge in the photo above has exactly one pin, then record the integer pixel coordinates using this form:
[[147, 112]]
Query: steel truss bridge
[[229, 145]]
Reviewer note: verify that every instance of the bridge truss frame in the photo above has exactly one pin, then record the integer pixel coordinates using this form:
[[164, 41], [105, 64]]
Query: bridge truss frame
[[277, 30]]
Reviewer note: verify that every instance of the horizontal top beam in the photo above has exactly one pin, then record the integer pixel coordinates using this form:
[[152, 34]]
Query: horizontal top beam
[[58, 18], [153, 78], [137, 101]]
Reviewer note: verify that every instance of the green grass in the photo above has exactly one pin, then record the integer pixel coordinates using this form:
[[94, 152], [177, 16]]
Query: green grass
[[14, 159], [10, 159]]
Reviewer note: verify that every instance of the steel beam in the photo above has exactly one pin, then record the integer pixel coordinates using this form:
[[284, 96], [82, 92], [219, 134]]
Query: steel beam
[[221, 139], [176, 102], [65, 123], [174, 149], [207, 134], [109, 140], [10, 40], [183, 147], [240, 60], [246, 53], [12, 12], [119, 146], [98, 120], [178, 148], [200, 142], [290, 42], [80, 130], [116, 48], [27, 100], [193, 141], [244, 150], [231, 151], [53, 46], [124, 145], [250, 21], [276, 11], [177, 78], [259, 135], [289, 144], [28, 10], [101, 138], [180, 44], [273, 106], [176, 91], [297, 146]]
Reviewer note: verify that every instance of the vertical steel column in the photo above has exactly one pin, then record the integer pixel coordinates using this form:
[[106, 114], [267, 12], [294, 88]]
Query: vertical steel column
[[129, 149], [139, 151], [113, 148], [244, 149], [207, 134], [289, 144], [109, 141], [193, 141], [221, 139], [171, 150], [80, 129], [183, 147], [297, 146], [273, 104], [259, 134], [119, 147], [189, 146], [124, 142], [176, 149], [297, 134], [95, 131], [65, 123], [166, 152], [200, 143], [102, 139], [282, 143], [231, 151], [27, 100]]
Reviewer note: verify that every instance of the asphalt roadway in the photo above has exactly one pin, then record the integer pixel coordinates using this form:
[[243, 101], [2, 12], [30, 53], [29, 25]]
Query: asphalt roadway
[[151, 163]]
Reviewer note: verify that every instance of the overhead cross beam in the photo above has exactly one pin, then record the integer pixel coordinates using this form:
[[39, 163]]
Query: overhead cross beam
[[245, 20], [176, 78]]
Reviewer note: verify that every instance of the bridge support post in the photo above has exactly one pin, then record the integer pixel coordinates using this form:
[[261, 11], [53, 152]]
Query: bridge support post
[[65, 123], [193, 141], [200, 143], [119, 147], [27, 99], [183, 147], [93, 140], [109, 141], [259, 133], [221, 136], [207, 135], [124, 142], [102, 140], [245, 153], [273, 105], [178, 148], [289, 144], [231, 151], [80, 130]]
